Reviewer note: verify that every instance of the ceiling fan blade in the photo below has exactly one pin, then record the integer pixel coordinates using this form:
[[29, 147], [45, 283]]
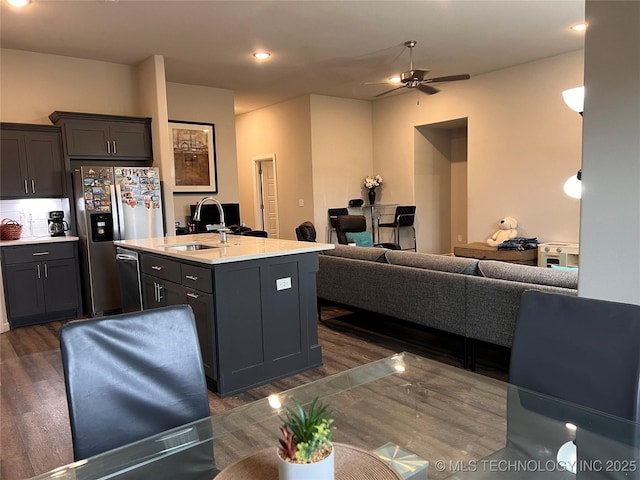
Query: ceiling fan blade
[[449, 78], [389, 91], [427, 89]]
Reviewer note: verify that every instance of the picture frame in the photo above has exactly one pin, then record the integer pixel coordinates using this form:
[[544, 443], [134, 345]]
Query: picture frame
[[194, 156]]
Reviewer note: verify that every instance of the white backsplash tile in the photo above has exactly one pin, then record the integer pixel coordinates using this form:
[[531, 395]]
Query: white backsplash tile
[[32, 214]]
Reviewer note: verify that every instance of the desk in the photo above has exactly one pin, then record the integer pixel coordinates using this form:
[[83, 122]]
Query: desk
[[372, 209], [454, 418]]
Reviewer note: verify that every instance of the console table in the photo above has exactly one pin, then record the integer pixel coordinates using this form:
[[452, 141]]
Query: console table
[[482, 251]]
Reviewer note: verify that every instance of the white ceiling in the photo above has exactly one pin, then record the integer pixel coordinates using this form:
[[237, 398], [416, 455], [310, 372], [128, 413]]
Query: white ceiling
[[321, 47]]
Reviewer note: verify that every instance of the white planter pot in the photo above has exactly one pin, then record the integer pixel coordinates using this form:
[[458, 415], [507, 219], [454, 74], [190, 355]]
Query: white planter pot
[[323, 470]]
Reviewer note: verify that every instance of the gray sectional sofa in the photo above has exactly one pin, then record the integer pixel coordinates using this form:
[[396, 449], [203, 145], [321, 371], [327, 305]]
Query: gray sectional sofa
[[476, 299]]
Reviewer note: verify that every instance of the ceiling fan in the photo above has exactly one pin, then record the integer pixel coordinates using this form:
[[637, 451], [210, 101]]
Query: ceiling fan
[[414, 78]]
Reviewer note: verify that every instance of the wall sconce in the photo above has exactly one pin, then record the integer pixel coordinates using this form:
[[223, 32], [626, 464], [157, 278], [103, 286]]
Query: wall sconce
[[573, 185], [567, 456], [574, 98]]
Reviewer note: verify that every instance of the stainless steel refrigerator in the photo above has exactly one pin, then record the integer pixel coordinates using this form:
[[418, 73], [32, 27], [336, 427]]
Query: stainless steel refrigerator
[[112, 203]]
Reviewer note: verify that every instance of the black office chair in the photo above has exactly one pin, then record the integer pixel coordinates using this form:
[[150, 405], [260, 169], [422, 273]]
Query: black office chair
[[333, 215], [357, 224], [404, 217], [134, 375], [306, 232], [255, 233]]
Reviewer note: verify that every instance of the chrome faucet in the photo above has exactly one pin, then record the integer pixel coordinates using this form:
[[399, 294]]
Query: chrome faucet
[[196, 216]]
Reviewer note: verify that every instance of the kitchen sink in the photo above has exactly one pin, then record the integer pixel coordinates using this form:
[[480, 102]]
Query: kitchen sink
[[191, 246]]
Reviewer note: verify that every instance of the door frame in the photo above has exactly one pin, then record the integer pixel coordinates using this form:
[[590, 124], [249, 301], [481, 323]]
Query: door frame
[[257, 189]]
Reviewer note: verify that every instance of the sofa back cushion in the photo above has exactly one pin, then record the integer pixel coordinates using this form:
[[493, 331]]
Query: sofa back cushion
[[528, 274], [427, 261], [373, 254]]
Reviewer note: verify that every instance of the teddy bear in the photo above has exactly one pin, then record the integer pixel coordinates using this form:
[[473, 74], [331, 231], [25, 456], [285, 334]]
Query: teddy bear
[[507, 232]]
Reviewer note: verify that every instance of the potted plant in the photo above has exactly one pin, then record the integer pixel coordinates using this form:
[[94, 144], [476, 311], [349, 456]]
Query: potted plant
[[306, 451]]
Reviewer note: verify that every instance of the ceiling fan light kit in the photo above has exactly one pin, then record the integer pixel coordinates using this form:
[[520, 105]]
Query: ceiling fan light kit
[[414, 77]]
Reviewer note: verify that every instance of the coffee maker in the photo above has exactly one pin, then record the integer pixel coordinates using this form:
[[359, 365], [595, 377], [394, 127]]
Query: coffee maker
[[57, 225]]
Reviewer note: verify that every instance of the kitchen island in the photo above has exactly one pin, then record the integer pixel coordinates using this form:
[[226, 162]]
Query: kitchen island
[[254, 300]]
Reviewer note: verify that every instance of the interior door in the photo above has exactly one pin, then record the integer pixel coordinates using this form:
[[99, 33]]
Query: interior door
[[268, 197]]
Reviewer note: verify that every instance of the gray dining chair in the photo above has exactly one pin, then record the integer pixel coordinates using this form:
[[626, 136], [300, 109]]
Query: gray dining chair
[[578, 351], [134, 375]]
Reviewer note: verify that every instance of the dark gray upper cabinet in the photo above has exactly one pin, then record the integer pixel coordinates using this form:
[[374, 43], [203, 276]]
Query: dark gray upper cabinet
[[31, 161], [105, 136]]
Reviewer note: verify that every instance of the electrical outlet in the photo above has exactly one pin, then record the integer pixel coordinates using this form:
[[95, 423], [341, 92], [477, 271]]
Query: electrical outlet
[[283, 283], [301, 203], [459, 238]]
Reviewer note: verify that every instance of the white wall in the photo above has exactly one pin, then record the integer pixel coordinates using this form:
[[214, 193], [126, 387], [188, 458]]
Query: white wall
[[610, 230], [432, 169], [459, 168], [152, 98], [208, 105], [32, 85], [342, 155], [523, 142], [284, 130]]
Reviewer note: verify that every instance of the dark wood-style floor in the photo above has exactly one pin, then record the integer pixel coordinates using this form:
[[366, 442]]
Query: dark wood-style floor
[[35, 435]]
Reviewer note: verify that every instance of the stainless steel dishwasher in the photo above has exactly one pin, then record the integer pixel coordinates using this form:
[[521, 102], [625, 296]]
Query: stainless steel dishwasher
[[130, 281]]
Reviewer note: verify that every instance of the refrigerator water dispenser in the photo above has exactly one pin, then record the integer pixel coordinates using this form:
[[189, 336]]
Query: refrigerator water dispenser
[[101, 227]]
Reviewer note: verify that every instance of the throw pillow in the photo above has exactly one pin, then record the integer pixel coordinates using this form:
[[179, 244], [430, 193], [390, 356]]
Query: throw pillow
[[361, 239]]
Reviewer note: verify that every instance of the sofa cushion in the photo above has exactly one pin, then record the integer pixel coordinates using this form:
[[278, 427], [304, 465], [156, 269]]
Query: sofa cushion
[[442, 263], [528, 274], [372, 254], [361, 239]]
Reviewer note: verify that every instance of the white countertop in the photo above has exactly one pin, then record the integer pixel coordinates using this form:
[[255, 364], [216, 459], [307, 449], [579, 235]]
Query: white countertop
[[31, 240], [237, 248]]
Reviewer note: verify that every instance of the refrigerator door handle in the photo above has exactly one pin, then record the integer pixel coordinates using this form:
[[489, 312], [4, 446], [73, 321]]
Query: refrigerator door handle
[[116, 209]]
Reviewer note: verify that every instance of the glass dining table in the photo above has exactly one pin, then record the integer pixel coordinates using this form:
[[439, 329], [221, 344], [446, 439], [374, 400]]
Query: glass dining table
[[402, 417]]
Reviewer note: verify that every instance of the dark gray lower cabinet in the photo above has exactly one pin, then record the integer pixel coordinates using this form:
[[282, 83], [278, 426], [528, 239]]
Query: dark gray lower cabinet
[[41, 283], [256, 319], [157, 292], [202, 306]]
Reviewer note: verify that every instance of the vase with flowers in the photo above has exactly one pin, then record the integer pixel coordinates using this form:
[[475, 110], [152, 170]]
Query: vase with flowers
[[371, 183], [306, 451]]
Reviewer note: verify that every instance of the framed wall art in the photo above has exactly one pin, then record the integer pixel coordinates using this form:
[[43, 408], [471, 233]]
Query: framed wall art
[[194, 156]]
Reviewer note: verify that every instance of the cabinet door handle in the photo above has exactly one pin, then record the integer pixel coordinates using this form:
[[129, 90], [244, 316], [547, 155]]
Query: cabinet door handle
[[26, 188], [114, 148], [39, 254], [108, 147], [156, 267], [193, 295], [46, 271], [38, 268], [160, 297], [33, 186], [191, 277]]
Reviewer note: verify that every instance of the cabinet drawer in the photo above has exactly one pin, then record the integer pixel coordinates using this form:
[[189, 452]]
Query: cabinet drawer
[[197, 277], [38, 252], [161, 267]]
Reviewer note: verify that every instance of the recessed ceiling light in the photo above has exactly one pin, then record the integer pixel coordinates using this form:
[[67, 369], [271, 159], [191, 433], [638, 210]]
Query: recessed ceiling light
[[261, 55], [395, 79], [19, 3], [580, 27]]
